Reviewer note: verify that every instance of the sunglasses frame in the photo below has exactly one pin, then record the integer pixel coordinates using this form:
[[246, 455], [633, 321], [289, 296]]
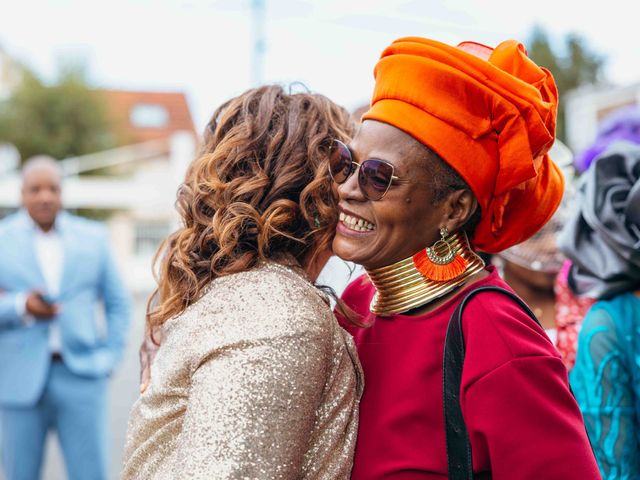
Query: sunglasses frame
[[394, 180]]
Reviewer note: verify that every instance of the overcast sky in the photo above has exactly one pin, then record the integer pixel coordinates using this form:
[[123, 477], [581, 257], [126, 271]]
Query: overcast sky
[[203, 47]]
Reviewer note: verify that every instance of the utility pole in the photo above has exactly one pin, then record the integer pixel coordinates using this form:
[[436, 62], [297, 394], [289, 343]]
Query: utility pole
[[259, 42]]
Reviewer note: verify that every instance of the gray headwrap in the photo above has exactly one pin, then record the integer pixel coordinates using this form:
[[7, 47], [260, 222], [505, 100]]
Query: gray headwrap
[[602, 236]]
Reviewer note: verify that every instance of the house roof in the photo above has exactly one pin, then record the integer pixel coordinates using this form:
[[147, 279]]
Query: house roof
[[140, 116]]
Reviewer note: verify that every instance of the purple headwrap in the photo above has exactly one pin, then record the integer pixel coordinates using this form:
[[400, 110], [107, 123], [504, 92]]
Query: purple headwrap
[[622, 124]]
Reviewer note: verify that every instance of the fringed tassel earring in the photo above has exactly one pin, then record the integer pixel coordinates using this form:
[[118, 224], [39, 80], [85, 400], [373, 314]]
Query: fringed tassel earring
[[440, 262]]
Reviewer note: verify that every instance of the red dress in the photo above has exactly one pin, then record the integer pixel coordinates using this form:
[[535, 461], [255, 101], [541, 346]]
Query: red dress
[[522, 419]]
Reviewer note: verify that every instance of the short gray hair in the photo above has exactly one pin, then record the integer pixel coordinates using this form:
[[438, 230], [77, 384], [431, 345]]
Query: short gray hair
[[41, 161]]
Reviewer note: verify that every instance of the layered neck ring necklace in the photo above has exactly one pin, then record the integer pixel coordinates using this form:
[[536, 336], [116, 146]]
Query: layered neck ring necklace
[[426, 276]]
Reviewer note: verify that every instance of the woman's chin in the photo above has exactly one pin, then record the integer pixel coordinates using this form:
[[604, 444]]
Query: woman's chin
[[345, 249], [353, 245]]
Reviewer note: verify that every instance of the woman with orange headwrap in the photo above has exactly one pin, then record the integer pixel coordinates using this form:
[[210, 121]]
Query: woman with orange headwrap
[[452, 159]]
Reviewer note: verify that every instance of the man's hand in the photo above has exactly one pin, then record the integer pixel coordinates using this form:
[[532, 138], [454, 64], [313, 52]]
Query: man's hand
[[41, 310], [148, 351]]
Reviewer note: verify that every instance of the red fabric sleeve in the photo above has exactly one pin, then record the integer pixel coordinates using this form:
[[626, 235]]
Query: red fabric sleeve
[[516, 400], [524, 416]]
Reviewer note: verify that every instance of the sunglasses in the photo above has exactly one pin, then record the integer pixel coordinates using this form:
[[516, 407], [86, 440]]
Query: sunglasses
[[375, 177]]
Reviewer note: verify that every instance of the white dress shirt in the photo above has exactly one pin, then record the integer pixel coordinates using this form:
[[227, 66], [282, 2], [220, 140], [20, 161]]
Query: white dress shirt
[[50, 258]]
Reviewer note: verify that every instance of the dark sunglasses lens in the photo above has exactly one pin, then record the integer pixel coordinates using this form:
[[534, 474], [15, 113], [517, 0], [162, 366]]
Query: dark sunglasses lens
[[375, 178], [340, 162]]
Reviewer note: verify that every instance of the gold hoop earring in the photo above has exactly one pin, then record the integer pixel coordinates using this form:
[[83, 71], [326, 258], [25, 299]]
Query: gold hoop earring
[[440, 262]]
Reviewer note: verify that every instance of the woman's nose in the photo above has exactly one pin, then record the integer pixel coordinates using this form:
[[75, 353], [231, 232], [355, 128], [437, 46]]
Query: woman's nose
[[350, 189]]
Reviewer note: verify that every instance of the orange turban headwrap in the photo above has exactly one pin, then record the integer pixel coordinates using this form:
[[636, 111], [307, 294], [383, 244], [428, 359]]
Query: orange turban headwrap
[[490, 114]]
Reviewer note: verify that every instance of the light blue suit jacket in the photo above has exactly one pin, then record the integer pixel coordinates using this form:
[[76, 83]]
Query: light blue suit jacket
[[89, 275]]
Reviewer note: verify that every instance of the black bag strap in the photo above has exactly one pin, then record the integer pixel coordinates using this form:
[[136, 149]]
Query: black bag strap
[[459, 458]]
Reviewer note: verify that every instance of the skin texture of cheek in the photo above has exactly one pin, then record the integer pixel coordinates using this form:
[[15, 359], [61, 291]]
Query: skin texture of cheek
[[400, 232]]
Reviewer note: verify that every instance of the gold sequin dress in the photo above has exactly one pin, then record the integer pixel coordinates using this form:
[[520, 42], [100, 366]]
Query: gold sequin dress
[[255, 380]]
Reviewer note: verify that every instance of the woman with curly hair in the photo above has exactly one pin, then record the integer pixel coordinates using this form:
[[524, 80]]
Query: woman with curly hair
[[254, 378]]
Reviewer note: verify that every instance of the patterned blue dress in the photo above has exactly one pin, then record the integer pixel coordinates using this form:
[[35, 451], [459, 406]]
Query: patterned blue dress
[[606, 382]]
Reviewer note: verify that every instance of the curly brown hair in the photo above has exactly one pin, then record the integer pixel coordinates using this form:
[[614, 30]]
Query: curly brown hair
[[258, 190]]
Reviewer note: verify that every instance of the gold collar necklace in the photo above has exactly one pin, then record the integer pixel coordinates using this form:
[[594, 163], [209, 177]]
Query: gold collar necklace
[[401, 287]]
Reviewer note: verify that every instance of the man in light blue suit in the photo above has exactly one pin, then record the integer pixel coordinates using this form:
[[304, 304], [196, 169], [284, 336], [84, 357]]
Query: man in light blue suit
[[55, 359]]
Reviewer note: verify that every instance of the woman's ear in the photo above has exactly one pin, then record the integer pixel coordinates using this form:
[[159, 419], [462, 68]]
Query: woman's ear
[[460, 206]]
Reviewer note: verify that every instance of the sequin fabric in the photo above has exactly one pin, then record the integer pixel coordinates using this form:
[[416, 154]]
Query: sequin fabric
[[255, 380]]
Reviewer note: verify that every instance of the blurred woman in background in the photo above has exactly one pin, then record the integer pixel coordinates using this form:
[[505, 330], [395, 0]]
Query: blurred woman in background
[[254, 378], [531, 269], [602, 240], [621, 124]]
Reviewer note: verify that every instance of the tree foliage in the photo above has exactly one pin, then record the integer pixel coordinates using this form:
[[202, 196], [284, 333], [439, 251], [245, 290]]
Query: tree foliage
[[576, 66], [62, 120]]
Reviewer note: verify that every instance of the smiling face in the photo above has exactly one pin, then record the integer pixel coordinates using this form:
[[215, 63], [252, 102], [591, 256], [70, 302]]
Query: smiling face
[[378, 233]]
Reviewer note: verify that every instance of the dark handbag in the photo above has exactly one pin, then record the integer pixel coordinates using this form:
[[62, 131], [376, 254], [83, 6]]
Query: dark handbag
[[459, 458]]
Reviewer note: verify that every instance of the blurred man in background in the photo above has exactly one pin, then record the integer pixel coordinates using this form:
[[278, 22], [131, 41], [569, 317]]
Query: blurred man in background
[[55, 359]]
